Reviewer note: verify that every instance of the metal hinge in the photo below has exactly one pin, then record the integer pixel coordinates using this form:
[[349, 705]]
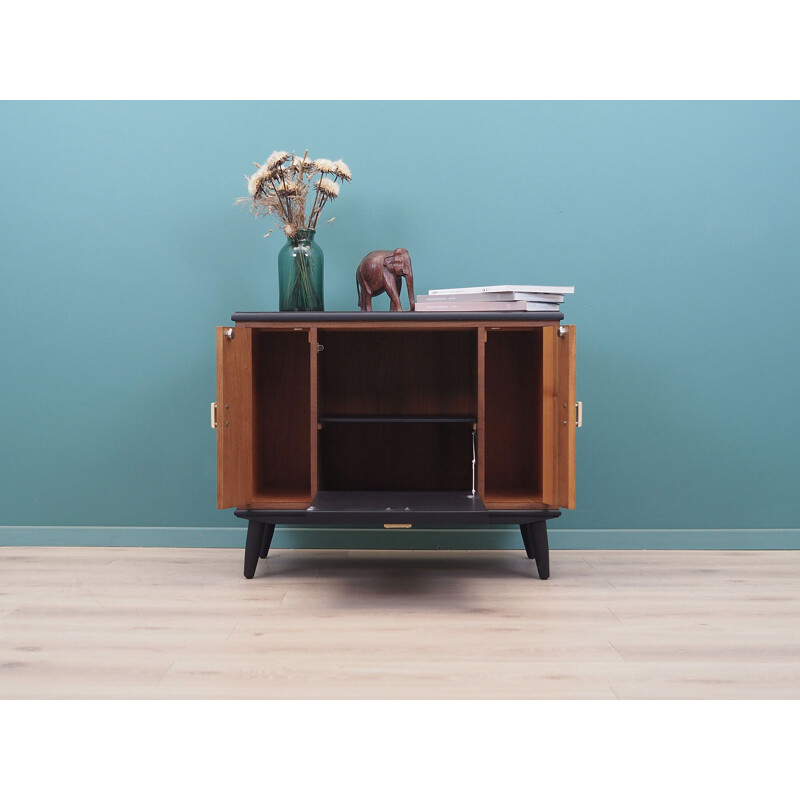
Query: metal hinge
[[214, 414]]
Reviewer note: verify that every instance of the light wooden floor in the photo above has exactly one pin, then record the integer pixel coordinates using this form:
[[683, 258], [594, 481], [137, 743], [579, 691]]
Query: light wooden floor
[[184, 623]]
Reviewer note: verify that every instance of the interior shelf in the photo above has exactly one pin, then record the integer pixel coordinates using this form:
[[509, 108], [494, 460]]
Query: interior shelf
[[397, 418]]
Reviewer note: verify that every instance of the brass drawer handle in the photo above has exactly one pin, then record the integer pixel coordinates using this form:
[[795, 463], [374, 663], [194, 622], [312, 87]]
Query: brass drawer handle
[[396, 524]]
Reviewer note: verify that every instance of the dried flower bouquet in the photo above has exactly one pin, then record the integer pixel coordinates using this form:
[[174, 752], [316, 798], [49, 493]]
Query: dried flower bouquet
[[280, 187]]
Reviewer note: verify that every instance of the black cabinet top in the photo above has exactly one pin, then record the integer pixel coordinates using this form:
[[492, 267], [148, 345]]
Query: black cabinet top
[[399, 317]]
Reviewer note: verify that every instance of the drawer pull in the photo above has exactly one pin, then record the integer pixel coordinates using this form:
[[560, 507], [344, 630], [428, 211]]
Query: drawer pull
[[396, 524]]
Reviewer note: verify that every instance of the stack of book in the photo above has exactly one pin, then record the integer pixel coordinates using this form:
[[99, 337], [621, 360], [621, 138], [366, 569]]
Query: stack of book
[[494, 298]]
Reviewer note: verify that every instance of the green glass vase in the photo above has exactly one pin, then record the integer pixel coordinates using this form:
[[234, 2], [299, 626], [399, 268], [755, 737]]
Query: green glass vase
[[300, 273]]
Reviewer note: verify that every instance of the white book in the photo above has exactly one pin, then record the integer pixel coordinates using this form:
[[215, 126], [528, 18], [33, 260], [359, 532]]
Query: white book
[[490, 297], [507, 288], [478, 305]]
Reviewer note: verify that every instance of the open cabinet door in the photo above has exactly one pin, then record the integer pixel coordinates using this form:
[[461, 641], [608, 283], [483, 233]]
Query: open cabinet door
[[566, 407], [234, 416], [560, 413]]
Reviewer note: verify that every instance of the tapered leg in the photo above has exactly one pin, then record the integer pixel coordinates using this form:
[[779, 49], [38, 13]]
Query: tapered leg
[[266, 539], [526, 539], [252, 547], [541, 550]]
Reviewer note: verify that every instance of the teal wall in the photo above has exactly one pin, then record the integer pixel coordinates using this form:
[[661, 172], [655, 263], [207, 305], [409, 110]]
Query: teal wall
[[677, 222]]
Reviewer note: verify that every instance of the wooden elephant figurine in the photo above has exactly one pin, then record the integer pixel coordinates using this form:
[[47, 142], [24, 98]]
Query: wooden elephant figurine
[[383, 271]]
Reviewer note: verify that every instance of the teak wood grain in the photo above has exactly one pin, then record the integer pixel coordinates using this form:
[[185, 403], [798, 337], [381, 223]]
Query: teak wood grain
[[513, 417], [387, 371], [481, 425], [234, 417], [564, 416], [313, 343], [396, 457], [548, 432], [511, 377], [283, 407]]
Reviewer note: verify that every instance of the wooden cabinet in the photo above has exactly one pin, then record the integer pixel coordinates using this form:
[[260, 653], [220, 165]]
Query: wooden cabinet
[[396, 420]]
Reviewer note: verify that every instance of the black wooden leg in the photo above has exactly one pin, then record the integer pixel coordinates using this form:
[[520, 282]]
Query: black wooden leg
[[266, 539], [541, 551], [252, 547], [526, 539]]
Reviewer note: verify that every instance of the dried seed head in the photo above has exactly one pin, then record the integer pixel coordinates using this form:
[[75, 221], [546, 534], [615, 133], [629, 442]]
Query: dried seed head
[[327, 188], [341, 170], [325, 165], [253, 184], [276, 159], [279, 187]]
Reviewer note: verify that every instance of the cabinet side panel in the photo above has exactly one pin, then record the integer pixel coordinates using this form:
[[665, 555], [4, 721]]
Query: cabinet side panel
[[313, 343], [234, 417], [549, 413], [513, 413], [282, 402], [481, 424]]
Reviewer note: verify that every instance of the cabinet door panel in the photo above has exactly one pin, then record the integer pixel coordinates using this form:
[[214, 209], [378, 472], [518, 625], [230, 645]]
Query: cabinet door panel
[[234, 417], [565, 416]]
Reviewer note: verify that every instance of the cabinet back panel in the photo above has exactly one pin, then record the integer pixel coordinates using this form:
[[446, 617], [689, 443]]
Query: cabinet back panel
[[398, 372], [513, 415], [379, 456], [282, 406]]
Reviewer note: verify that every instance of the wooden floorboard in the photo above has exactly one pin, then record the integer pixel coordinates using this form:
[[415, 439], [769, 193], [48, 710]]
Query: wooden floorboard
[[183, 623]]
